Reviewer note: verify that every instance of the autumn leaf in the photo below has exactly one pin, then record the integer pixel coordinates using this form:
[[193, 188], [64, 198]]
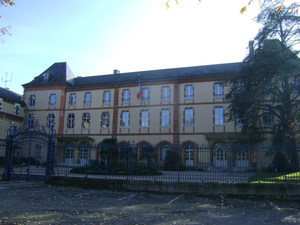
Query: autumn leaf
[[278, 9], [167, 3], [243, 9], [177, 2]]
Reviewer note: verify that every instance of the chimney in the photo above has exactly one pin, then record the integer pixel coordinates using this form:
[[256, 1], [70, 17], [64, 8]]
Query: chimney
[[116, 71], [251, 48]]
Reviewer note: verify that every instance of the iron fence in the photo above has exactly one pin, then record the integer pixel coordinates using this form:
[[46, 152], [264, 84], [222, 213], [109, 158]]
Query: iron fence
[[231, 163]]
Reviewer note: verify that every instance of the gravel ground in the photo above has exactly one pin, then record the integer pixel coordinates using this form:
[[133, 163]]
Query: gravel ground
[[39, 203]]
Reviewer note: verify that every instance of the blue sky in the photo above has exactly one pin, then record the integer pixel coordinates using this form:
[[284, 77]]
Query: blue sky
[[97, 36]]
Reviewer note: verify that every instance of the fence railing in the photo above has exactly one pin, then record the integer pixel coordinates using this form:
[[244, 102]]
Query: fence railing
[[238, 163]]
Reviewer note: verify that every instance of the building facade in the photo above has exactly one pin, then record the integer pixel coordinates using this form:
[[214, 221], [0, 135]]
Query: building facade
[[181, 106]]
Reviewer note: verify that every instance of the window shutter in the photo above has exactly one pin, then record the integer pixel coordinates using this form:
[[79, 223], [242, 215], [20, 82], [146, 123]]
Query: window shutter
[[83, 120], [103, 97], [141, 117], [84, 99], [169, 116], [148, 117], [148, 94], [223, 115], [161, 117], [90, 97], [222, 90], [108, 118], [122, 95], [161, 92], [184, 91], [193, 116], [128, 94], [121, 117], [47, 121], [214, 89], [128, 118], [214, 115], [101, 122], [193, 91], [184, 116]]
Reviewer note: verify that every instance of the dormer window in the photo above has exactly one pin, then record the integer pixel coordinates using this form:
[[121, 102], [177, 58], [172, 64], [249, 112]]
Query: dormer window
[[46, 77]]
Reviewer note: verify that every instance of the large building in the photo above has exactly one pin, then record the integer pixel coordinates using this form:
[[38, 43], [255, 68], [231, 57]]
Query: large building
[[181, 106]]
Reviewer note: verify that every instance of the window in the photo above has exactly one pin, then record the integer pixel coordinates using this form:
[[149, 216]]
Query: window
[[188, 92], [87, 98], [165, 118], [52, 99], [218, 91], [46, 77], [71, 121], [267, 116], [144, 118], [31, 101], [165, 93], [164, 150], [17, 109], [188, 116], [86, 120], [1, 103], [30, 119], [50, 120], [105, 119], [72, 99], [125, 119], [126, 96], [146, 95], [106, 97], [218, 114]]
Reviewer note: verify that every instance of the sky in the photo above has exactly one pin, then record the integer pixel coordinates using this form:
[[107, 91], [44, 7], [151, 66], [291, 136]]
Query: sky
[[97, 36]]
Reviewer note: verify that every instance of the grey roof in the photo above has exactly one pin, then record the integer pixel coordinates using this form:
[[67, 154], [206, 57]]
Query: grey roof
[[5, 93], [208, 71], [59, 73]]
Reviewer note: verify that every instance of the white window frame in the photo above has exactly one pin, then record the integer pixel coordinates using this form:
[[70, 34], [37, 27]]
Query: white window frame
[[219, 90], [125, 119], [126, 96], [145, 95], [50, 120], [189, 117], [106, 97], [145, 118], [219, 116], [165, 117], [189, 92], [71, 121], [31, 102], [72, 99], [86, 120], [165, 93], [52, 100], [17, 109], [87, 98], [105, 119]]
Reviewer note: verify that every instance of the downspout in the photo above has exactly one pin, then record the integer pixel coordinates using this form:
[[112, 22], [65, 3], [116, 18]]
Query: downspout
[[2, 136]]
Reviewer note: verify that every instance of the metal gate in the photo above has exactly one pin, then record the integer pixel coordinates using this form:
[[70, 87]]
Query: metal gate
[[30, 152]]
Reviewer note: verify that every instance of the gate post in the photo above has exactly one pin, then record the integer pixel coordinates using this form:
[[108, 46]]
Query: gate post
[[8, 159], [50, 154]]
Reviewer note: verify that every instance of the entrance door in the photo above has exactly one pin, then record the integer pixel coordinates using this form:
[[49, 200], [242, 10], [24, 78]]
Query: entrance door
[[69, 156], [84, 153], [189, 155], [242, 159], [220, 155]]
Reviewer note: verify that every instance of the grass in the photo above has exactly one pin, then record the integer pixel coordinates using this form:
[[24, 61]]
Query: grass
[[275, 178]]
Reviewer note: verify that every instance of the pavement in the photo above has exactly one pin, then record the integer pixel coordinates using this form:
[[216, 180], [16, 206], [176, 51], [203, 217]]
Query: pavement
[[24, 202]]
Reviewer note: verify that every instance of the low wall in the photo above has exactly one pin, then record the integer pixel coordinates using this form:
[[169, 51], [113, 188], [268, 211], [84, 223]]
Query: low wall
[[279, 191]]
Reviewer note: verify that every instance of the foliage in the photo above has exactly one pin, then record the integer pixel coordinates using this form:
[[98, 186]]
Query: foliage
[[173, 161], [120, 169], [275, 178], [147, 152], [265, 95], [277, 5]]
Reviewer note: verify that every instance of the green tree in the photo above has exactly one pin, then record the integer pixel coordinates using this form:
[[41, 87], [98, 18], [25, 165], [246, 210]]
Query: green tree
[[147, 152], [109, 150], [265, 95], [4, 30]]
